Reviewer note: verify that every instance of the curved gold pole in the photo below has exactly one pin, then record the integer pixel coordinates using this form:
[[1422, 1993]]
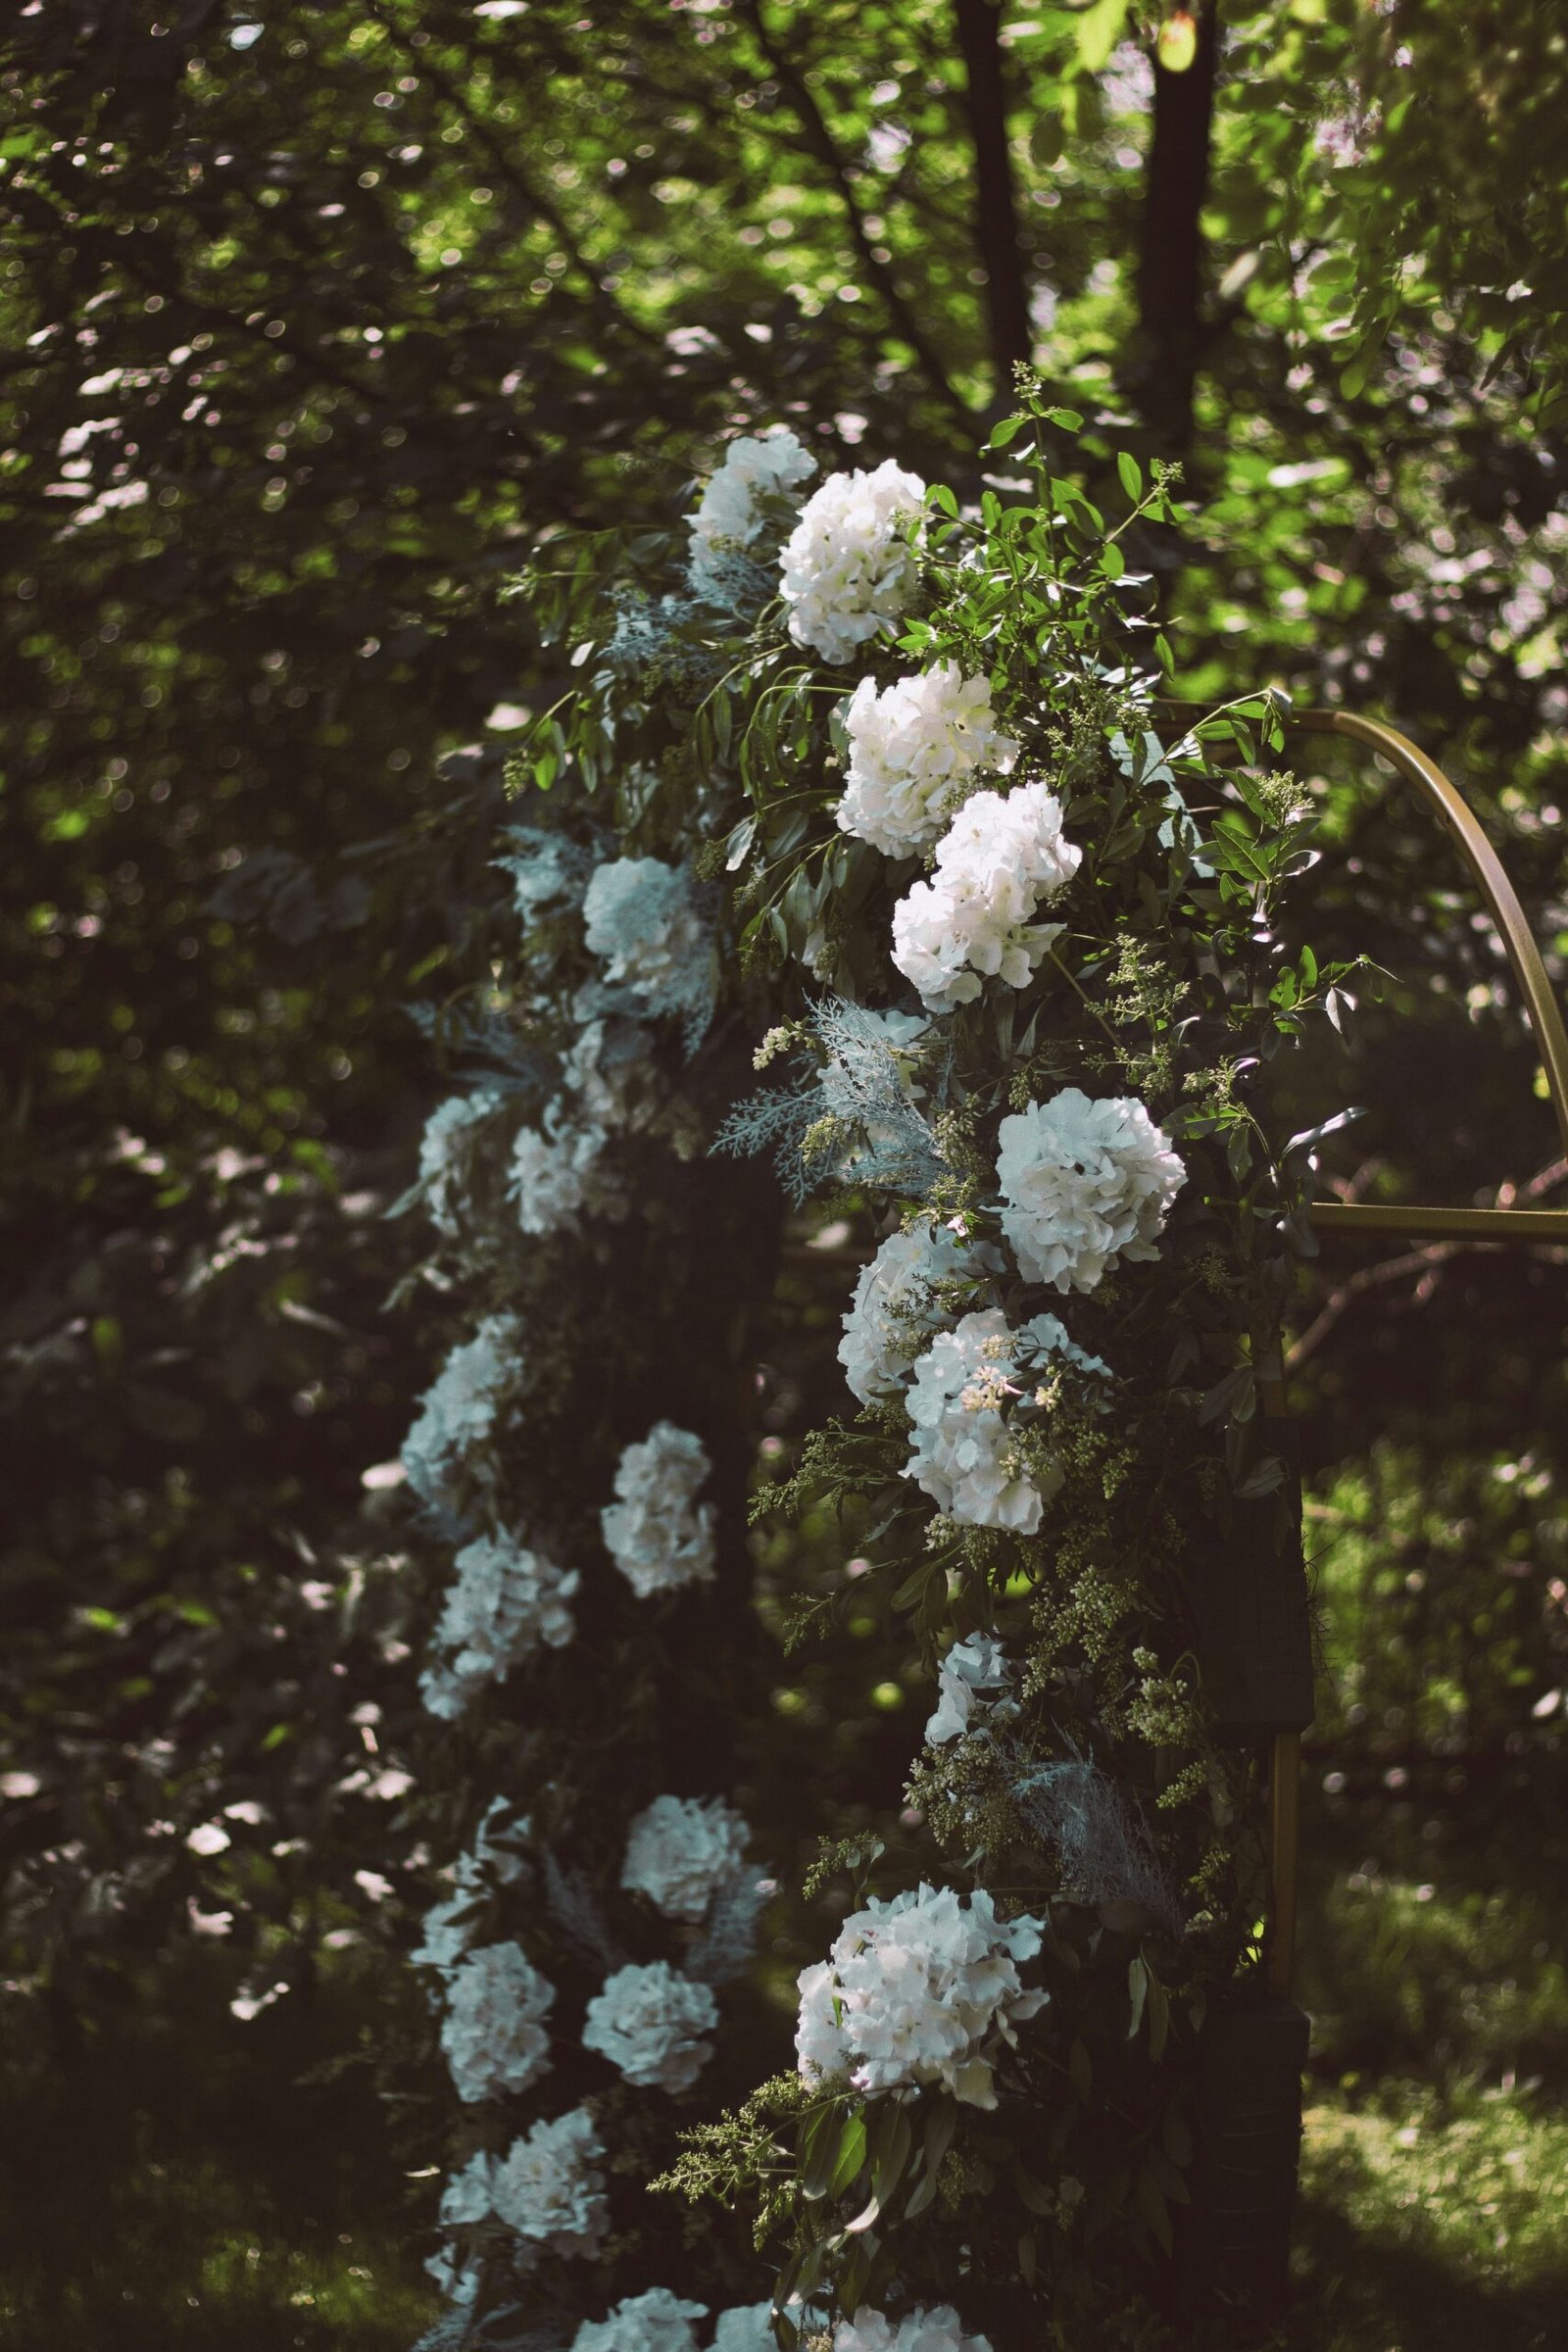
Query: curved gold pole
[[1511, 1225], [1545, 1019]]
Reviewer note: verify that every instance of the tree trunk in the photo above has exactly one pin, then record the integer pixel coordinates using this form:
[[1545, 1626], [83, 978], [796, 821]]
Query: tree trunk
[[995, 211], [1170, 269]]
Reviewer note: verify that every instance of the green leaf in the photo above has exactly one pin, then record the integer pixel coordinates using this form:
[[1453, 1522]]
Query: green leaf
[[1137, 1991], [1130, 474], [851, 2155]]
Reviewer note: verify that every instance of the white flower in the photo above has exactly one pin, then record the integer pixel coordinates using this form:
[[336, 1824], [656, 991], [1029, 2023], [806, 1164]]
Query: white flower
[[457, 1411], [758, 469], [504, 1602], [493, 2036], [936, 2329], [555, 1174], [444, 1147], [746, 2327], [972, 1675], [466, 2196], [998, 861], [680, 1849], [548, 2189], [458, 2283], [449, 1924], [899, 1302], [645, 921], [648, 2022], [912, 747], [1085, 1183], [918, 1989], [657, 1534], [846, 569], [964, 1452], [607, 1066], [657, 2322]]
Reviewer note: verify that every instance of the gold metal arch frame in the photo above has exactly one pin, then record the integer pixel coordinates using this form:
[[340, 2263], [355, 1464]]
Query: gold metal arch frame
[[1510, 1226]]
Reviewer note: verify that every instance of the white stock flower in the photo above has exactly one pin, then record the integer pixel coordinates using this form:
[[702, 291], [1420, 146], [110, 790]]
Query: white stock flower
[[1001, 859], [912, 747], [443, 1150], [607, 1067], [746, 2327], [493, 2036], [916, 1990], [657, 1534], [898, 1304], [457, 1411], [932, 2329], [555, 1174], [503, 1603], [656, 2322], [649, 2021], [846, 568], [1083, 1184], [680, 1849], [466, 2196], [767, 468], [963, 1450], [645, 923], [549, 2189], [972, 1675]]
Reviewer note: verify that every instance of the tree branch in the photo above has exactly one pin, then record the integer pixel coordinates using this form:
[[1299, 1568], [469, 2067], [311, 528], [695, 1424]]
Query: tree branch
[[819, 139], [995, 209]]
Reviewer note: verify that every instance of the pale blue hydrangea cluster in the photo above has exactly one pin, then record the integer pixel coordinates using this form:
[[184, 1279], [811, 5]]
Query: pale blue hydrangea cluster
[[457, 1411], [504, 1602], [650, 924], [657, 1534]]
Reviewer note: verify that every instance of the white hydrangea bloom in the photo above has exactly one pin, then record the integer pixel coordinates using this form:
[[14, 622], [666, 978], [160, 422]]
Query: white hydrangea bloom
[[746, 2327], [657, 2322], [971, 1678], [645, 921], [934, 2328], [459, 2283], [549, 2189], [898, 1304], [467, 2196], [912, 748], [607, 1066], [918, 1989], [449, 1924], [964, 1456], [648, 2022], [457, 1411], [1083, 1184], [555, 1174], [757, 468], [1001, 859], [493, 2035], [504, 1602], [680, 1849], [443, 1148], [846, 568], [657, 1534]]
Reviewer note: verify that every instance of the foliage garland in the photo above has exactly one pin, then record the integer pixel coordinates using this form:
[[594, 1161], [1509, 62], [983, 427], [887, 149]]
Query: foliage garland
[[774, 719]]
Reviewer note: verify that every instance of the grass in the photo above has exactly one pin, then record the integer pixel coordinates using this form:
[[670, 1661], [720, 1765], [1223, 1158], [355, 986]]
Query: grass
[[174, 2186]]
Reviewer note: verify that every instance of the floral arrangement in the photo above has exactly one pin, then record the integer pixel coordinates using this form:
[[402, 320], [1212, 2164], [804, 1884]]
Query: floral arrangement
[[871, 787]]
